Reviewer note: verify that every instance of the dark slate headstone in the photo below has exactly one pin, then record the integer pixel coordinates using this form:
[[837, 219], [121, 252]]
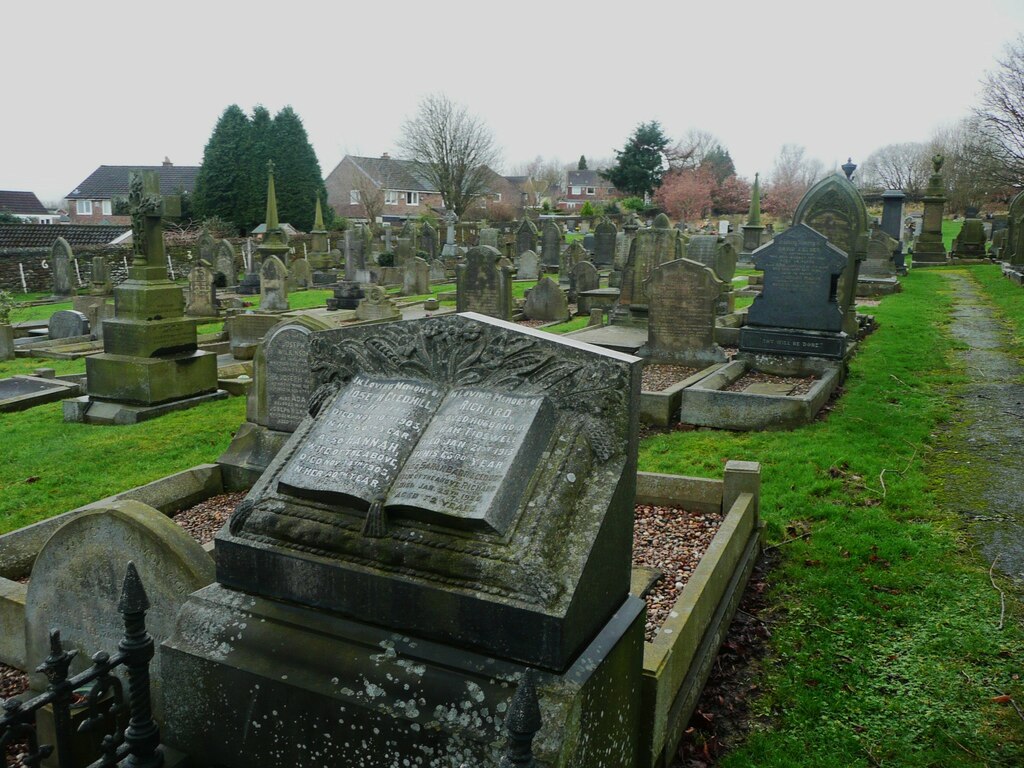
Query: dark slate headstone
[[280, 396], [801, 272], [588, 242], [428, 241], [526, 237], [879, 261], [702, 249], [226, 264], [273, 285], [681, 298], [892, 213], [547, 302], [67, 324], [529, 268], [605, 235], [551, 245], [482, 285], [60, 263]]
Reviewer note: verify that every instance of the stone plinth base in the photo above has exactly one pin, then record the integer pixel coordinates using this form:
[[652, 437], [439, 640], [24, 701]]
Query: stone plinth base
[[793, 341], [151, 381], [89, 410], [877, 286], [284, 685]]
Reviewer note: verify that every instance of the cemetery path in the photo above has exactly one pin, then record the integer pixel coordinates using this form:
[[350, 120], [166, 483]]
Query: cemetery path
[[991, 410]]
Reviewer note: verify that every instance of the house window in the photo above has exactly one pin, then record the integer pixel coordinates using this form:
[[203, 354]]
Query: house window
[[497, 197], [412, 198], [576, 190], [353, 197], [83, 207], [106, 207], [590, 190], [390, 197]]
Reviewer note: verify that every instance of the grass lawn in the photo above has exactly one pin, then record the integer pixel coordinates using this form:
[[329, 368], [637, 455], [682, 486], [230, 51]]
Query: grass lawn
[[1008, 298], [50, 467], [23, 366], [950, 229], [885, 649], [40, 312], [569, 325]]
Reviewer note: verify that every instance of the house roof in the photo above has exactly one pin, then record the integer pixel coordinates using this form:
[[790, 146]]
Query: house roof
[[109, 181], [391, 173], [586, 178], [44, 235], [24, 203]]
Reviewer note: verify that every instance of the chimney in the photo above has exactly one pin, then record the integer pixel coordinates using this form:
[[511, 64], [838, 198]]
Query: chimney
[[167, 162], [385, 156]]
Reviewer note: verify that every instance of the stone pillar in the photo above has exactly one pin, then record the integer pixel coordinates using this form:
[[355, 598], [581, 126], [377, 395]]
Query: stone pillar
[[929, 249], [753, 227]]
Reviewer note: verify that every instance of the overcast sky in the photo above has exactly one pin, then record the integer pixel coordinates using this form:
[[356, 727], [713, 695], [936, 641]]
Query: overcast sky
[[115, 83]]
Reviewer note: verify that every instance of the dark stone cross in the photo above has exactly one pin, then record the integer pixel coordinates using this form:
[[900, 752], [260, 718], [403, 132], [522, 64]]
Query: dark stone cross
[[147, 208]]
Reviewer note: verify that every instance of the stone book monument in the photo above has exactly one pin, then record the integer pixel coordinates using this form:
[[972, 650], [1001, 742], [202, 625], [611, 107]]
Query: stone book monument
[[150, 363], [451, 521], [799, 310]]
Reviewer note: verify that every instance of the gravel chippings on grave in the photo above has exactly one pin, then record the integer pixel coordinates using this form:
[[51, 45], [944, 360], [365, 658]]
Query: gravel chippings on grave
[[659, 377], [12, 682], [203, 520], [801, 385], [533, 323], [672, 540]]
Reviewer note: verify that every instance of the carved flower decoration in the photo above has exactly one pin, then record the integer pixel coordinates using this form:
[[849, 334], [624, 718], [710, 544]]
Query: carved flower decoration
[[469, 333]]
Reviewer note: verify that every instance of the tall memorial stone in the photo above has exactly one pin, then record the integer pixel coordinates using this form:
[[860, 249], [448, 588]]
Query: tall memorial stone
[[605, 234], [450, 249], [1013, 251], [929, 249], [721, 258], [60, 263], [382, 606], [482, 285], [273, 285], [526, 236], [682, 297], [225, 265], [202, 301], [752, 228], [551, 244], [835, 208], [150, 361], [275, 239], [650, 248], [798, 311], [428, 241], [404, 251], [319, 256]]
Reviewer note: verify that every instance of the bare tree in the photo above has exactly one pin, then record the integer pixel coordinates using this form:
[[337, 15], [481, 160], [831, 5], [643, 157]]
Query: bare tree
[[903, 166], [540, 175], [371, 197], [454, 148], [974, 169], [690, 151], [791, 176], [1001, 114]]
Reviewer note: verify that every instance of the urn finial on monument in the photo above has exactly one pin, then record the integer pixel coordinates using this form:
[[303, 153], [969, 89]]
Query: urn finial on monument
[[848, 168]]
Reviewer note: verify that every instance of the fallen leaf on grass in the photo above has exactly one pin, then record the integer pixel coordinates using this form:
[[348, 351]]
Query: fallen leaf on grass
[[1003, 699], [32, 479]]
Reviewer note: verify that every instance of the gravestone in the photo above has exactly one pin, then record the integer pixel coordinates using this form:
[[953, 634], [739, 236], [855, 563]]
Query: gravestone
[[526, 237], [300, 275], [273, 285], [588, 242], [798, 310], [605, 235], [1013, 251], [585, 278], [528, 266], [99, 279], [551, 245], [68, 324], [753, 230], [416, 277], [703, 249], [319, 256], [226, 264], [78, 575], [929, 248], [568, 260], [970, 243], [376, 305], [482, 285], [60, 263], [279, 397], [682, 297], [724, 264], [735, 239], [547, 302], [207, 248], [892, 213], [404, 252], [246, 331], [835, 208], [349, 293], [397, 596], [411, 233], [428, 241], [437, 271], [489, 237], [202, 300], [450, 249], [879, 261], [649, 249]]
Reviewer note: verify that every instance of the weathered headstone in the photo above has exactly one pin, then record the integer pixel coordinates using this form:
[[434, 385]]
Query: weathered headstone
[[437, 271], [682, 298], [207, 248], [411, 233], [528, 266], [428, 241], [584, 277], [482, 285], [526, 236], [649, 249], [202, 300], [801, 274], [225, 264], [78, 576], [551, 245], [568, 260], [273, 285], [246, 331], [416, 277], [376, 305], [879, 261], [547, 302], [300, 275], [588, 242], [1013, 251], [605, 235], [404, 251], [67, 324], [489, 236], [970, 243], [60, 263], [99, 279]]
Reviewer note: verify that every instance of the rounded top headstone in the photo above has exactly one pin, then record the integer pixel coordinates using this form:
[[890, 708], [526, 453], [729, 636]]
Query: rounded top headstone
[[661, 221]]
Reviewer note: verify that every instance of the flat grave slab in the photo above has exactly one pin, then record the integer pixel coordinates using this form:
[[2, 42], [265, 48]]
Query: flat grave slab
[[621, 338], [21, 392]]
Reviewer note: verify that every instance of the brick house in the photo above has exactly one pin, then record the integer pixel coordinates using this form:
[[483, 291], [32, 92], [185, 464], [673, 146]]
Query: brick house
[[26, 206], [406, 189], [93, 200], [581, 186]]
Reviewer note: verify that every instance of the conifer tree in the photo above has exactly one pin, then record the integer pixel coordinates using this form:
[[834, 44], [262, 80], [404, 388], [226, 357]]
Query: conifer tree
[[224, 170], [297, 176]]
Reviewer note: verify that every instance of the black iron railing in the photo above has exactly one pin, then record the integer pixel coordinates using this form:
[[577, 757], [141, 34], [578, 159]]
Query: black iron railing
[[101, 695]]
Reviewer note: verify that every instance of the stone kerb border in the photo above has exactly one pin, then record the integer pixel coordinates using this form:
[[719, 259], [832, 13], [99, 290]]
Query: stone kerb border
[[661, 407]]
